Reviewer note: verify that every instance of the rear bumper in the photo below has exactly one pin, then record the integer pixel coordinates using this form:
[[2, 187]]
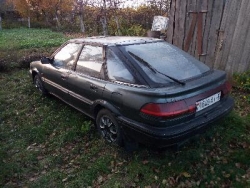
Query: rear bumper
[[166, 136]]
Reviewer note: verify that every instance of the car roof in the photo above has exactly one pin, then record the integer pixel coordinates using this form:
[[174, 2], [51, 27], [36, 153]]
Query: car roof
[[115, 40]]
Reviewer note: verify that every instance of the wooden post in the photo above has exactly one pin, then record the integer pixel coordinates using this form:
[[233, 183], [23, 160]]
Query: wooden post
[[104, 21], [0, 22], [28, 22], [118, 26]]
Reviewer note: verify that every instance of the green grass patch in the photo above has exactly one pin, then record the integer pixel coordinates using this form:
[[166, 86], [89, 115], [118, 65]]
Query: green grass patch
[[19, 47], [16, 39]]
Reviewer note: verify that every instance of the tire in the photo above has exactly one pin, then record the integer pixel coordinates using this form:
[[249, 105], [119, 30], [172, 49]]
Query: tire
[[108, 127], [39, 85]]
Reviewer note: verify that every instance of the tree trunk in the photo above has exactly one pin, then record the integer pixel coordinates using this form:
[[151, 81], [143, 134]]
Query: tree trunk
[[28, 22], [104, 20], [117, 25], [82, 27], [0, 22], [58, 22]]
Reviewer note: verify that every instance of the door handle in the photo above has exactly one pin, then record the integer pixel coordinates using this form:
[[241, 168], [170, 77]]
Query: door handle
[[64, 76], [93, 87]]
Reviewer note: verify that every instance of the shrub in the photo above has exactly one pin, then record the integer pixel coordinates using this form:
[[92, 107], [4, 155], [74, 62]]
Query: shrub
[[242, 80], [135, 30]]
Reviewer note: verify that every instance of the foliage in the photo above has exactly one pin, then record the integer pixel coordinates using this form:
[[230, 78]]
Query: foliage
[[43, 9], [135, 30], [242, 80], [68, 15]]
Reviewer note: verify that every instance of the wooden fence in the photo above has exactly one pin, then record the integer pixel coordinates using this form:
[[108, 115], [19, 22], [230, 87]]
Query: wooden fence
[[215, 31]]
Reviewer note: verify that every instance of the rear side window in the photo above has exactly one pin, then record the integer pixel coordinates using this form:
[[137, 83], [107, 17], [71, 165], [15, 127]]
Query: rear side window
[[90, 61], [66, 57], [117, 70]]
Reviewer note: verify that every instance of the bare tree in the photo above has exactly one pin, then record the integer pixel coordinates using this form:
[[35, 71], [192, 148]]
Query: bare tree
[[0, 22], [109, 9], [114, 6], [162, 5], [3, 8], [79, 6], [104, 18]]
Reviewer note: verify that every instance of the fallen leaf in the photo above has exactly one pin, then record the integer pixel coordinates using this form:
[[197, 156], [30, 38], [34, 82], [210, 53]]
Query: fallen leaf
[[100, 179], [164, 181], [186, 175], [32, 179], [226, 175], [238, 165], [171, 180], [156, 170], [112, 164]]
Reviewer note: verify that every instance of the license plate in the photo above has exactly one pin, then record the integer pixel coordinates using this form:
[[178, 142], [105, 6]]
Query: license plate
[[202, 104]]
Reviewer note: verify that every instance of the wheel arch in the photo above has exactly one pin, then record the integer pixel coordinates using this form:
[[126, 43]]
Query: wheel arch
[[101, 104], [34, 73]]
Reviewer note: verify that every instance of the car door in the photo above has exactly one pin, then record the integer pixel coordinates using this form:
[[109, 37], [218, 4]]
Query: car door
[[56, 74], [87, 83]]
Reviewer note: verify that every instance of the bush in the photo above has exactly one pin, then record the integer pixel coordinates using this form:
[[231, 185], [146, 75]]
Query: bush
[[135, 30], [242, 80]]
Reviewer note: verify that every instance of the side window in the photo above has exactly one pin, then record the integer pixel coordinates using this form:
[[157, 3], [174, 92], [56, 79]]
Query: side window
[[66, 57], [117, 70], [90, 61]]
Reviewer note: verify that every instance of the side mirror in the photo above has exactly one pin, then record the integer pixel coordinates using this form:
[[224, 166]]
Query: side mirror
[[45, 60]]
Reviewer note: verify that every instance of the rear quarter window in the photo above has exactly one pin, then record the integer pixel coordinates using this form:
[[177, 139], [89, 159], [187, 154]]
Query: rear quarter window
[[117, 71]]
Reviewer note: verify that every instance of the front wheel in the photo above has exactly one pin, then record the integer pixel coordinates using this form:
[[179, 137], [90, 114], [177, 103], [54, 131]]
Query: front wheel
[[108, 127], [39, 85]]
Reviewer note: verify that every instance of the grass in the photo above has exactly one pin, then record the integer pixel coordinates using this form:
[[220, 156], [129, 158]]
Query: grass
[[21, 46], [46, 143], [16, 39]]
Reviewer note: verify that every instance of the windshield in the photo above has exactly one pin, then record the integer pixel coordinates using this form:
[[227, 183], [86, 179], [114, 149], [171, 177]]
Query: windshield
[[162, 61]]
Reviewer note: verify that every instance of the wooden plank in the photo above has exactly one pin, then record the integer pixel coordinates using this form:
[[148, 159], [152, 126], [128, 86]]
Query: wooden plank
[[239, 38], [245, 56], [199, 33], [170, 30], [228, 25], [180, 17], [194, 7], [213, 32], [190, 33], [191, 6], [204, 7], [244, 49], [221, 37], [207, 5]]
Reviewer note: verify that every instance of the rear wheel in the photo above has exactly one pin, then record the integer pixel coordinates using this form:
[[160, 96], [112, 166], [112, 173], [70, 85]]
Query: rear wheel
[[39, 85], [108, 127]]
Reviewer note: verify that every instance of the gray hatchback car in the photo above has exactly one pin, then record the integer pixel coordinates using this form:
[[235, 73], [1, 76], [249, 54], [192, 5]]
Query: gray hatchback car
[[135, 88]]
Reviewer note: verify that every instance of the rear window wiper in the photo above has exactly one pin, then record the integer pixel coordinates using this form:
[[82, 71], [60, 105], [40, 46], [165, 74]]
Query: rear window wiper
[[153, 69]]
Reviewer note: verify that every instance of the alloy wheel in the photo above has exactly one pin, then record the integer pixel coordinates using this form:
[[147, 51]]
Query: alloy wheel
[[108, 129]]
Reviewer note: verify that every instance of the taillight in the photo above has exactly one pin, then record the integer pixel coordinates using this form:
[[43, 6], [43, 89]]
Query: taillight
[[226, 88], [168, 110]]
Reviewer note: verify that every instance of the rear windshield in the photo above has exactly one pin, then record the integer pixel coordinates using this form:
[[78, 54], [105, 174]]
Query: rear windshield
[[161, 59]]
